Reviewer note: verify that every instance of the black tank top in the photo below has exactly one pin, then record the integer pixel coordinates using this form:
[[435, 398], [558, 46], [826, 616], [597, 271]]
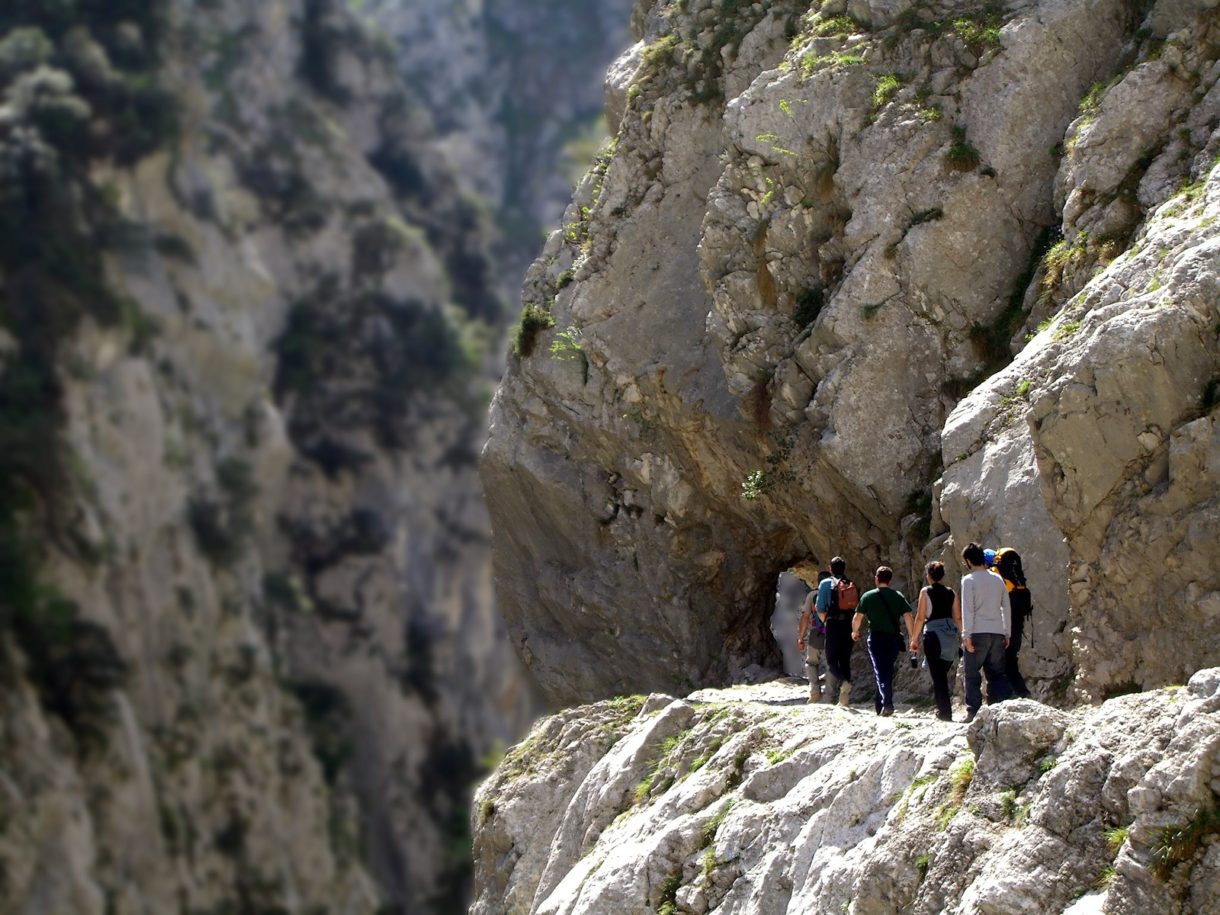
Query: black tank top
[[941, 599]]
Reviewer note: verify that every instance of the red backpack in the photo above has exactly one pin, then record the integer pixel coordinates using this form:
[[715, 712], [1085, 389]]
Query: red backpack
[[844, 596]]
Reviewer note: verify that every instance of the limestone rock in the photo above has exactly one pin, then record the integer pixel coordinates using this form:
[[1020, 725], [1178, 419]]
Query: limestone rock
[[874, 280], [755, 802]]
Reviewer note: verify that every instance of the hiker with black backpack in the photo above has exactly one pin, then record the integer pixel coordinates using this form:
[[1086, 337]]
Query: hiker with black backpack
[[985, 632], [883, 607], [811, 640], [1007, 564], [837, 600]]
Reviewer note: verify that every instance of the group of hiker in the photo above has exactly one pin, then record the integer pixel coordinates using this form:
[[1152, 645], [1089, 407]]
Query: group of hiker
[[984, 624]]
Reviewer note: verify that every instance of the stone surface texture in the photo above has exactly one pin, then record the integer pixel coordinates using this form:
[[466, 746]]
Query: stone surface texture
[[874, 279], [747, 801]]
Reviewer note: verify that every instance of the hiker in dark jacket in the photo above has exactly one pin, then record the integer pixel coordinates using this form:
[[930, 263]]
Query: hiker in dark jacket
[[938, 620], [883, 607], [1007, 564], [838, 630]]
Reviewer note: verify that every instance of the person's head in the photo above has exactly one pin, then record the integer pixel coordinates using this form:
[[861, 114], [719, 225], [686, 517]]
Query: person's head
[[989, 558], [838, 567], [884, 575], [935, 571], [822, 576], [973, 555]]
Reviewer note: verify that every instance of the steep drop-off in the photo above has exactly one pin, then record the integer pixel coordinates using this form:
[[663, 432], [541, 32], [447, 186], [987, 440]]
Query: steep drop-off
[[875, 278], [250, 308]]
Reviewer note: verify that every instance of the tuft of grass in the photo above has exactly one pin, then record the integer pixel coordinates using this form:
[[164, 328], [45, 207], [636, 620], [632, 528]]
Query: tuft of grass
[[1046, 763], [1105, 877], [1066, 329], [534, 320], [1008, 805], [960, 777], [1179, 844], [962, 156], [667, 904], [811, 63], [839, 25], [1116, 837], [712, 826], [921, 866], [886, 88]]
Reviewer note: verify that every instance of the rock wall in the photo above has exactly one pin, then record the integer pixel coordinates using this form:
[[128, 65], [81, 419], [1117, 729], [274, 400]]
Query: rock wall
[[747, 801], [873, 279], [251, 317]]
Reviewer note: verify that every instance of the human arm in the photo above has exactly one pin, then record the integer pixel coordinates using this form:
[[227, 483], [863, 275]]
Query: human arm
[[920, 614], [803, 626], [857, 621], [1006, 612], [967, 612]]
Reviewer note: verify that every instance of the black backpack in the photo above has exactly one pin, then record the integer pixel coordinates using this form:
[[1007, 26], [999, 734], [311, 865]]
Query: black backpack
[[1008, 564]]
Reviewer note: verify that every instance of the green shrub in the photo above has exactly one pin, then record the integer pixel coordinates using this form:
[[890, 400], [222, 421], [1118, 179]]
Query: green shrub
[[962, 156], [534, 320], [886, 88]]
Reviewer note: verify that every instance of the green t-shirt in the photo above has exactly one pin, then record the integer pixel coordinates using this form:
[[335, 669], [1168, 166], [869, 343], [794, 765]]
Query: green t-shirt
[[883, 612]]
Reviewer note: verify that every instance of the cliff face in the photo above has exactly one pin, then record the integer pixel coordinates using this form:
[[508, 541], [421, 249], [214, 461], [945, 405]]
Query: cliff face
[[747, 801], [250, 320], [875, 279]]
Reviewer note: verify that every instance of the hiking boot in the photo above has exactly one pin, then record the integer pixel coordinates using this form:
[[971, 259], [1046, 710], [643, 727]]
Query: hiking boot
[[831, 691], [814, 699], [970, 715], [940, 717], [845, 694], [887, 712]]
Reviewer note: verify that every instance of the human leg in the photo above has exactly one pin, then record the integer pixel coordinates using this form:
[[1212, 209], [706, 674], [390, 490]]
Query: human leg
[[838, 660], [972, 676], [813, 659], [883, 649], [998, 687], [939, 669], [1012, 668]]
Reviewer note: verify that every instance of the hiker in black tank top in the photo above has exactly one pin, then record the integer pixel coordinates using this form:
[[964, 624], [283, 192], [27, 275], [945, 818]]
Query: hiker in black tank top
[[938, 624]]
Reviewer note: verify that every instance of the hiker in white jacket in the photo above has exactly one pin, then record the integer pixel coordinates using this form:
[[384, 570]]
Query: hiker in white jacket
[[986, 626]]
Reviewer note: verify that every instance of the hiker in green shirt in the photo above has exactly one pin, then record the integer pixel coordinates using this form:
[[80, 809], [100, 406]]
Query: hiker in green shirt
[[882, 607]]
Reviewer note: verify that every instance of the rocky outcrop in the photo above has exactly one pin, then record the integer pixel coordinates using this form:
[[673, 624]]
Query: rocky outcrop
[[747, 801], [873, 279]]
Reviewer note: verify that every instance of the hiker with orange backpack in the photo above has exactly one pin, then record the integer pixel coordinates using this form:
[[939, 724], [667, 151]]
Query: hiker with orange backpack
[[1006, 563], [837, 600]]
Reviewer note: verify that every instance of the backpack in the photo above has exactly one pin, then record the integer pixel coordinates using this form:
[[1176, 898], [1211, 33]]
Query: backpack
[[1008, 565], [844, 596]]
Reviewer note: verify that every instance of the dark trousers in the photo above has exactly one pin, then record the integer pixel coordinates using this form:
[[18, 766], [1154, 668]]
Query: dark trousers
[[988, 658], [939, 669], [838, 649], [883, 651], [1011, 669]]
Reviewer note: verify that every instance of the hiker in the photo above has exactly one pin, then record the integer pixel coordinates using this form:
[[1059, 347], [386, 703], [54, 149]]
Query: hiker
[[1007, 564], [811, 640], [938, 618], [883, 607], [985, 631], [837, 599]]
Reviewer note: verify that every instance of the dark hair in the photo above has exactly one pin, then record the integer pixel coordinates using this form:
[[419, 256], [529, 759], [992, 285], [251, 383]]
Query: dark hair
[[935, 570], [973, 554], [837, 567], [885, 574], [822, 576]]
